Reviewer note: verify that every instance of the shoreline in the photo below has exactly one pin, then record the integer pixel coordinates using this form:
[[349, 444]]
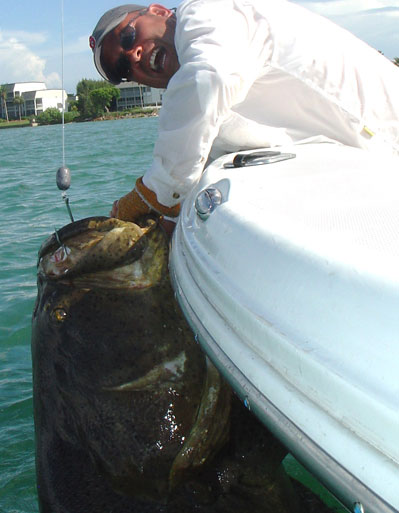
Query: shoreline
[[106, 117], [145, 113]]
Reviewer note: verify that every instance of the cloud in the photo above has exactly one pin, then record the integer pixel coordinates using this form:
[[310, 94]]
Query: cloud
[[374, 21], [377, 26], [80, 45], [53, 80], [77, 45], [28, 38], [342, 7], [19, 63]]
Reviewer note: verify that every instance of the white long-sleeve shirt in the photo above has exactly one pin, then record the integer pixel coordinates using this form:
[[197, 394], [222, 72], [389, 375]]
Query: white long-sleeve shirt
[[259, 73]]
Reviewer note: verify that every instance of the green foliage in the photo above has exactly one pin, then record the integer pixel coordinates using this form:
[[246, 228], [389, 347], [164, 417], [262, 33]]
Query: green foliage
[[19, 100], [70, 116], [73, 105], [102, 98], [50, 116], [87, 85], [53, 116], [3, 91], [87, 105], [14, 124], [3, 97], [396, 61]]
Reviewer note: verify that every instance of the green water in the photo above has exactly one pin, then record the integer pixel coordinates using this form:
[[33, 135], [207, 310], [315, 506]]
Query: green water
[[104, 158]]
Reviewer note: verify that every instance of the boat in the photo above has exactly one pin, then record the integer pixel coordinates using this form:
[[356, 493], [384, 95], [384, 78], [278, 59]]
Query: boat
[[286, 265]]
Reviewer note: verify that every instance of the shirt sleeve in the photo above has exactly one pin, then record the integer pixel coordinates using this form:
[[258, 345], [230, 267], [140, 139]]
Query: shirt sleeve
[[239, 133], [222, 48]]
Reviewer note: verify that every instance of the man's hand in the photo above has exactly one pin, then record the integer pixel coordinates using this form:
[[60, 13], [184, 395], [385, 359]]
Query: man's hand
[[167, 225], [139, 202], [114, 209]]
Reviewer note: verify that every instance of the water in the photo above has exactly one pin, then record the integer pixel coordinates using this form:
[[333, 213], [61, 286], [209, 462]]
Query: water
[[104, 159]]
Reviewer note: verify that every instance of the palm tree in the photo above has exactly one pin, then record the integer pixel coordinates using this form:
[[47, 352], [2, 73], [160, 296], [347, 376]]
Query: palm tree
[[3, 94], [18, 100], [396, 61]]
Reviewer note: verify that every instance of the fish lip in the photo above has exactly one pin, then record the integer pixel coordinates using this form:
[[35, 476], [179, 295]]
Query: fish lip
[[54, 266], [70, 230], [66, 232]]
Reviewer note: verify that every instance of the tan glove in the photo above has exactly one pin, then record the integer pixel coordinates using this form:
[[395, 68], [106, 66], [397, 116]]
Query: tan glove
[[140, 201]]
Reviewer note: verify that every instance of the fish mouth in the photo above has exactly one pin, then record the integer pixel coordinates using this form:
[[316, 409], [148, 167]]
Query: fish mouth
[[158, 59], [105, 252]]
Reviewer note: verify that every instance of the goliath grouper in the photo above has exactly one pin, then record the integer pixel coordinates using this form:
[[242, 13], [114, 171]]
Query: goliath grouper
[[130, 416]]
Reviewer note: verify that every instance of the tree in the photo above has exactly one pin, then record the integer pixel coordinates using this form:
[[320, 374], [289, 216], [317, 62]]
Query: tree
[[3, 94], [19, 100], [50, 116], [83, 91], [53, 116], [396, 61], [73, 105], [102, 98], [85, 103]]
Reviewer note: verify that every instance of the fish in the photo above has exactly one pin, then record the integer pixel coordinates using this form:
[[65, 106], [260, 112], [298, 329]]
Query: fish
[[130, 415]]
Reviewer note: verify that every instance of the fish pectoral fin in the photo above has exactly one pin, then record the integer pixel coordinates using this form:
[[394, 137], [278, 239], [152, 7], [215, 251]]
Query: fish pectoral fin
[[210, 430], [160, 376]]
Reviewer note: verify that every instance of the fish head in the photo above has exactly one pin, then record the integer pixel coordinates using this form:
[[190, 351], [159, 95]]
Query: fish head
[[105, 252]]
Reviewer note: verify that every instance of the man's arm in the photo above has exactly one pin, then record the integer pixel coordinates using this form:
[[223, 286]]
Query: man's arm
[[222, 49]]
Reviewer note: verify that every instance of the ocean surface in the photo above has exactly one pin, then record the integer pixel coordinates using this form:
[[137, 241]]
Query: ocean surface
[[104, 159]]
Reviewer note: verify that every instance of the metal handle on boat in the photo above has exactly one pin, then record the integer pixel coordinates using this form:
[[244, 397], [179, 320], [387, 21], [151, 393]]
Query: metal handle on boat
[[206, 202], [258, 158]]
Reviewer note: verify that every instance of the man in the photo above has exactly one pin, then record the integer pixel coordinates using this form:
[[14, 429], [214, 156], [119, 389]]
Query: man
[[242, 74]]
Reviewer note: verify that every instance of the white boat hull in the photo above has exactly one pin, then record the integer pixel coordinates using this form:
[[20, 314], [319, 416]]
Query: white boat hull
[[292, 285]]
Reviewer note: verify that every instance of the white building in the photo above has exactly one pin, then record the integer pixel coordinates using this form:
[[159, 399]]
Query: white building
[[136, 95], [37, 98]]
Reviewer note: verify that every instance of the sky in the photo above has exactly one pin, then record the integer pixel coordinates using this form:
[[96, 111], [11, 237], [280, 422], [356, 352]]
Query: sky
[[31, 34]]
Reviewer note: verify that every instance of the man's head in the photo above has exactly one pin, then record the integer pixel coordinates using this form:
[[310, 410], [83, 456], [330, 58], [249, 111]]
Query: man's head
[[136, 43]]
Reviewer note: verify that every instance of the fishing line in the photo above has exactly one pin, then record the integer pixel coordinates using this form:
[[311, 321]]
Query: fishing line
[[62, 83], [63, 177]]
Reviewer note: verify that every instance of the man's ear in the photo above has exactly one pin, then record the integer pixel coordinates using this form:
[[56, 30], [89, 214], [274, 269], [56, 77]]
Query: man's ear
[[159, 10]]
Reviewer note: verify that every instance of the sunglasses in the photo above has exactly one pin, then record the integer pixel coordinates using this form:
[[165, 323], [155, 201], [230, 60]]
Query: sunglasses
[[127, 40], [128, 36]]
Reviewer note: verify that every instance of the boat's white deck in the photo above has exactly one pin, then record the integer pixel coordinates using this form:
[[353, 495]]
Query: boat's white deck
[[295, 278]]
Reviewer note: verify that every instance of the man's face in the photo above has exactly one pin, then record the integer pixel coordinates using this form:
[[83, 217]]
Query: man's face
[[152, 58]]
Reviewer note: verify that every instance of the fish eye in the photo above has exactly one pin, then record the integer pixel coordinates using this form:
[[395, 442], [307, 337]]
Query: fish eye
[[59, 314]]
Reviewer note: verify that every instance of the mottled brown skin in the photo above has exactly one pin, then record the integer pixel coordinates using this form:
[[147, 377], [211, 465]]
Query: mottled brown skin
[[116, 429]]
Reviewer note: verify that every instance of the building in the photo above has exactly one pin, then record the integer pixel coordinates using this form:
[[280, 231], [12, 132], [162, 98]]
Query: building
[[136, 95], [37, 98]]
